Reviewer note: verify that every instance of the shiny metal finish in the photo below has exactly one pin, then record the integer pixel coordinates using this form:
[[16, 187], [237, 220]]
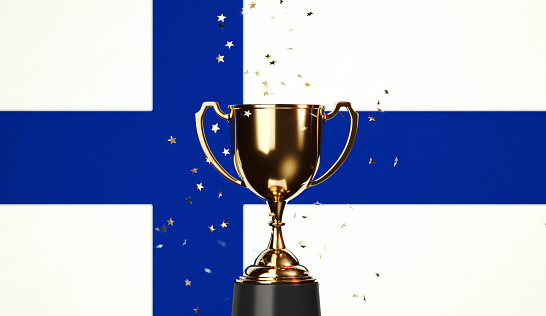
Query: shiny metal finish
[[276, 151]]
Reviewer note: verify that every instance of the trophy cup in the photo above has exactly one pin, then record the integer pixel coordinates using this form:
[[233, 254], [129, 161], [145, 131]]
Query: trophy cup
[[276, 151]]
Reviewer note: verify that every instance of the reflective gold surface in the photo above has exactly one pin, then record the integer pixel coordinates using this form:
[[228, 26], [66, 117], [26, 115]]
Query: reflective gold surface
[[276, 151]]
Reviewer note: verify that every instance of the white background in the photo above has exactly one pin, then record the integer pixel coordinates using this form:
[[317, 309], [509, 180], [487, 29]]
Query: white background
[[461, 55], [81, 55], [431, 259], [75, 260]]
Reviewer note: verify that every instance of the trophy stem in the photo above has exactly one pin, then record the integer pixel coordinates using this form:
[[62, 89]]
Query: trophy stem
[[276, 241]]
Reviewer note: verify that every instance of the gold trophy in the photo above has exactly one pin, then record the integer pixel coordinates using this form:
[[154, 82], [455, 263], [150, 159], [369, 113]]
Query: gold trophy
[[276, 151]]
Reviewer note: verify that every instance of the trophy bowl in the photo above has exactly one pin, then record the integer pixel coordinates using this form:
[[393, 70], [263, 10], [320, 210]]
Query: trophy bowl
[[276, 151]]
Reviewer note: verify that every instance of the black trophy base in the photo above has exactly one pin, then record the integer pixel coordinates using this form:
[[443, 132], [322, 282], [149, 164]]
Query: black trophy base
[[276, 299]]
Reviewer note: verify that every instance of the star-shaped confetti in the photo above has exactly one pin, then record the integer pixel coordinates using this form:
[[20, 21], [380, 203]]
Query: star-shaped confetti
[[230, 44], [310, 13], [265, 84], [225, 152], [219, 194], [197, 310], [317, 203], [395, 161], [221, 17], [371, 118], [188, 282], [170, 221], [386, 91], [207, 159], [211, 228], [355, 295], [268, 56], [272, 62], [164, 228], [215, 128], [221, 26], [172, 140], [159, 246], [224, 224], [220, 58], [303, 246], [379, 110], [189, 199], [252, 5], [307, 84], [257, 73], [200, 186], [271, 214], [246, 73], [265, 92], [247, 113], [304, 216], [371, 161], [194, 170]]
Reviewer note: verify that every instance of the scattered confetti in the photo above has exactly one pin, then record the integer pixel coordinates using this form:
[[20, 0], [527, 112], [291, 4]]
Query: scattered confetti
[[221, 17], [197, 310], [211, 228], [317, 203], [225, 152], [342, 115], [207, 270], [224, 224], [343, 225], [221, 26], [172, 140], [378, 101], [268, 56], [220, 58], [230, 44], [164, 228], [303, 128], [304, 216], [265, 92], [355, 295], [159, 246], [221, 243], [189, 199], [371, 118], [170, 222], [377, 274], [215, 128], [207, 159], [271, 214], [252, 5], [371, 161], [303, 246], [272, 62], [386, 91], [307, 84], [194, 170], [395, 161], [200, 186], [184, 243], [310, 13], [257, 73], [220, 194], [379, 110], [265, 84], [247, 113], [284, 84], [363, 298], [188, 282]]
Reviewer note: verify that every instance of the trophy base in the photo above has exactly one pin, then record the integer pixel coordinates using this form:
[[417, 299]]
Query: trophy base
[[276, 299]]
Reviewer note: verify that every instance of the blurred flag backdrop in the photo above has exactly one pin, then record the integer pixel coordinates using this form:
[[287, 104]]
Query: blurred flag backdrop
[[442, 121]]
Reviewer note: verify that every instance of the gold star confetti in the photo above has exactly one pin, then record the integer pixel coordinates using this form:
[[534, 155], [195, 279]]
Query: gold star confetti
[[310, 13], [307, 84], [225, 152], [272, 62], [224, 224], [197, 310], [189, 199], [188, 282], [247, 113], [379, 110], [230, 44], [395, 161], [252, 5], [386, 91], [317, 203], [303, 246], [355, 295], [265, 84], [246, 73], [220, 194], [257, 73], [200, 186], [211, 228], [172, 140], [268, 56], [221, 17], [265, 92], [371, 161], [221, 26], [164, 228], [170, 221], [207, 159], [157, 228], [220, 58], [371, 118], [159, 246], [215, 128], [271, 214], [194, 170]]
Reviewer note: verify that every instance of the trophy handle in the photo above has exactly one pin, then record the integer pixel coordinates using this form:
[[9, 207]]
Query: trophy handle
[[201, 134], [348, 145]]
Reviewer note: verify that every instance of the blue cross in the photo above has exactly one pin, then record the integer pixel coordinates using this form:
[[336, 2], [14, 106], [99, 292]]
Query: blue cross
[[125, 158]]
